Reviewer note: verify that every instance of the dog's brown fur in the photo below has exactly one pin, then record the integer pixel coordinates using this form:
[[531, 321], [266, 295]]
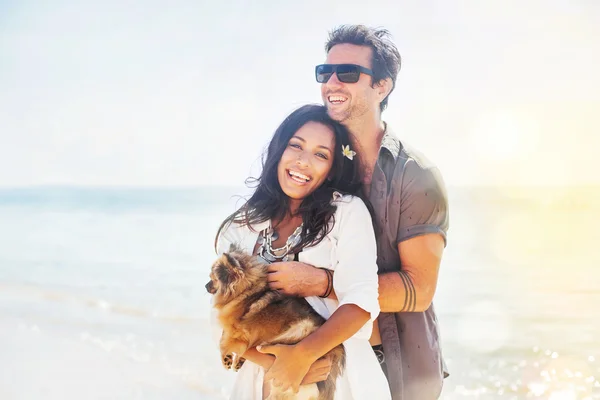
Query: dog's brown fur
[[251, 314]]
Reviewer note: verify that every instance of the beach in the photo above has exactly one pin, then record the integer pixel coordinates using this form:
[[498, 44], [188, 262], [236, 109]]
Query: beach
[[102, 293]]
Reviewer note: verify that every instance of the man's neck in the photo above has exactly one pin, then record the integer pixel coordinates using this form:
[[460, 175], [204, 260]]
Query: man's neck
[[366, 136]]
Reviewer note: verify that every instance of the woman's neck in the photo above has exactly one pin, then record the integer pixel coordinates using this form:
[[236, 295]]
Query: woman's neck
[[289, 219], [285, 227], [294, 206]]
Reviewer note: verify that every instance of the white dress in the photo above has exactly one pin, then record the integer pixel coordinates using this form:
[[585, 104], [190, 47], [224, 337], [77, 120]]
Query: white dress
[[349, 250]]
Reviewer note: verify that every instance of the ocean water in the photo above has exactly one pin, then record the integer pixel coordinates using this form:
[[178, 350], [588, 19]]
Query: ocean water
[[102, 293]]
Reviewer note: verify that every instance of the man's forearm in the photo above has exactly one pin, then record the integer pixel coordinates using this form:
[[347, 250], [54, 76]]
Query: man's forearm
[[400, 292], [318, 284]]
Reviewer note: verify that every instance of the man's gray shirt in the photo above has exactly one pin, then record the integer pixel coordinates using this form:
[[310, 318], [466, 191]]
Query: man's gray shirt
[[409, 199]]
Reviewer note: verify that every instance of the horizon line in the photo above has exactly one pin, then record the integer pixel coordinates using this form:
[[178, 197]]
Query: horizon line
[[202, 185]]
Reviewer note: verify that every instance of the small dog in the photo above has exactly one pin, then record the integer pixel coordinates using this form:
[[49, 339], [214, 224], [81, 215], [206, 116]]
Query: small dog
[[251, 314]]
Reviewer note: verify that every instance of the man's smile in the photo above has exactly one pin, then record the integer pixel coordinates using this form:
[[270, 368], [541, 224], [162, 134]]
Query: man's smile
[[336, 99]]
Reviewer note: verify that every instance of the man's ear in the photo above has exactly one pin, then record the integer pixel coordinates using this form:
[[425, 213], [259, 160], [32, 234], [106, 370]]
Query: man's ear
[[383, 88]]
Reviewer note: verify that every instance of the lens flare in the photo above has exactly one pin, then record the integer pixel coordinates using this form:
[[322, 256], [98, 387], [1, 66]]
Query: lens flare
[[484, 327]]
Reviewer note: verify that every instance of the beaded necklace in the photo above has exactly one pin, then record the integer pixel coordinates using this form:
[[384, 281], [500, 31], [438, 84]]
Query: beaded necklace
[[269, 254]]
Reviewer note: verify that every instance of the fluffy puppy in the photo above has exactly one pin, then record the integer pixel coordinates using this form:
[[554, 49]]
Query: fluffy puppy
[[251, 314]]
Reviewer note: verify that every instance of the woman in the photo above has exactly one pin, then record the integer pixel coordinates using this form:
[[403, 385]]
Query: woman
[[308, 207]]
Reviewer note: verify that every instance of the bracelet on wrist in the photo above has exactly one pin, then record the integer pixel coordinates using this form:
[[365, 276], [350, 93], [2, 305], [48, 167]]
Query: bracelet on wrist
[[329, 288]]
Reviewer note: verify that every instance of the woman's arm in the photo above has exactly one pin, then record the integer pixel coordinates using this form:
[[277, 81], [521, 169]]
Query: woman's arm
[[355, 283], [342, 325], [264, 360], [293, 361], [318, 371]]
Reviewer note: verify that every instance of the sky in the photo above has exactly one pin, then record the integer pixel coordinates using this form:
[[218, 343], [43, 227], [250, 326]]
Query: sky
[[148, 93]]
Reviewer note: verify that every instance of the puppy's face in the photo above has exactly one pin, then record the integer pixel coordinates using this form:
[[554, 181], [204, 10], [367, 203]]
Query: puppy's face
[[234, 273]]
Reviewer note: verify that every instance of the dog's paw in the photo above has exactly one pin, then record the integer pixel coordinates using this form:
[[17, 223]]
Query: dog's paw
[[227, 360], [238, 363]]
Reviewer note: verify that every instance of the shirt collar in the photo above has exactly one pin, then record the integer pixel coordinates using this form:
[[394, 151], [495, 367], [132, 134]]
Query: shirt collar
[[390, 143]]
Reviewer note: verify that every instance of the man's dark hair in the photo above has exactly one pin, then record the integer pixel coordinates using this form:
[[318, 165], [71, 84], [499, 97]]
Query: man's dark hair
[[385, 61]]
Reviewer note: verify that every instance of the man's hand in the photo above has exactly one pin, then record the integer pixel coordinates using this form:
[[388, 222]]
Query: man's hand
[[297, 279]]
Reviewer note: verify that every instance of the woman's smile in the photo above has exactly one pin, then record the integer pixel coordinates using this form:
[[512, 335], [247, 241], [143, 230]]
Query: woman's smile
[[298, 177]]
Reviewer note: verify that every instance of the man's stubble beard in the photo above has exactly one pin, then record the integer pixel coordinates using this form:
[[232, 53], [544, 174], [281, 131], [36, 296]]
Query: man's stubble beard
[[349, 116], [338, 116]]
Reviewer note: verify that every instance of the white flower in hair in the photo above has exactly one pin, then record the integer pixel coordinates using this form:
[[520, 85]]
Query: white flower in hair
[[347, 152]]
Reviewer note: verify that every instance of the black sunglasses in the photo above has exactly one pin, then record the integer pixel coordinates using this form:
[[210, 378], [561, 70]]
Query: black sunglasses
[[346, 73]]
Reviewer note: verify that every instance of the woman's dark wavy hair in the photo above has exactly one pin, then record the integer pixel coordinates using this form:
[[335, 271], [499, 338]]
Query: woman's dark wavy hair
[[270, 202]]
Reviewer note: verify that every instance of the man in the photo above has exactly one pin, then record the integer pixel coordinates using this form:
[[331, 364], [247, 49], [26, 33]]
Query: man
[[410, 213]]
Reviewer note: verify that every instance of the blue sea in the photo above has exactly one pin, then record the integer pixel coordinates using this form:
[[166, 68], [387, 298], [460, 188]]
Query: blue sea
[[102, 293]]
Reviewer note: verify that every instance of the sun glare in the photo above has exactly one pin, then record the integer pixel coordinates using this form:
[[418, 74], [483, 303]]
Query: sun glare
[[563, 395], [485, 319], [501, 135]]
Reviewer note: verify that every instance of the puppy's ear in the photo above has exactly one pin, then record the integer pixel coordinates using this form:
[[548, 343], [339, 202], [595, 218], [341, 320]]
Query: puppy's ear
[[234, 247], [233, 262]]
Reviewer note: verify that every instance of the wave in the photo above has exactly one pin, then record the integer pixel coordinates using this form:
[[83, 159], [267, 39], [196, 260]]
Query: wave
[[155, 199], [55, 296]]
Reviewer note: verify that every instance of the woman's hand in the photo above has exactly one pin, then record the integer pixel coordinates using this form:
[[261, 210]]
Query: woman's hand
[[289, 368]]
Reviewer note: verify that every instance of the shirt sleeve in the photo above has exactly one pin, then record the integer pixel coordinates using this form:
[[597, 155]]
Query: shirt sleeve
[[424, 203], [355, 279], [228, 236]]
